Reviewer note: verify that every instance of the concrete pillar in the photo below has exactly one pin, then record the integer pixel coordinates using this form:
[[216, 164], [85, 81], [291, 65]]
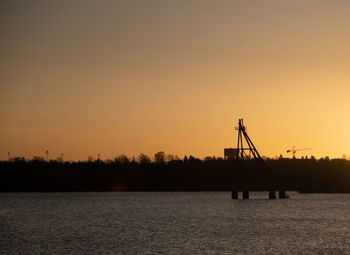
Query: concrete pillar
[[272, 194], [234, 194], [282, 194], [245, 194]]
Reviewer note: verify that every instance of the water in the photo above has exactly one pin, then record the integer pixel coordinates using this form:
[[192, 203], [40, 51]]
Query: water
[[173, 223]]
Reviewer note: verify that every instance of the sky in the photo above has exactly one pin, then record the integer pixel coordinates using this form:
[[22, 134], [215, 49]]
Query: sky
[[128, 77]]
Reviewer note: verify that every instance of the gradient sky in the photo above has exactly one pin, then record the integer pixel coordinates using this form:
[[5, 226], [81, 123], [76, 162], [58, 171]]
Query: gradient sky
[[124, 77]]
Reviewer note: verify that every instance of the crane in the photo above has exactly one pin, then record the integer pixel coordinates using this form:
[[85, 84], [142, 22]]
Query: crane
[[293, 151], [240, 151]]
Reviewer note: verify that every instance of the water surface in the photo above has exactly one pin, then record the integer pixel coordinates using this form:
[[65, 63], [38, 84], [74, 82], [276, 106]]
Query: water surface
[[173, 223]]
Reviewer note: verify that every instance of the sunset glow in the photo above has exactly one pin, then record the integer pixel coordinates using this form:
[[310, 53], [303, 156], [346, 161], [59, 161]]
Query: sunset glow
[[129, 77]]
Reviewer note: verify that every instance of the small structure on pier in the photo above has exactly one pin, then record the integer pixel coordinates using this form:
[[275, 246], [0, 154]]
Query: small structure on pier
[[249, 160], [230, 153]]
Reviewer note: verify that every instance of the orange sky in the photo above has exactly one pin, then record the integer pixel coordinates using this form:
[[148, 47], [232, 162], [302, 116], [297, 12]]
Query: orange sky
[[124, 77]]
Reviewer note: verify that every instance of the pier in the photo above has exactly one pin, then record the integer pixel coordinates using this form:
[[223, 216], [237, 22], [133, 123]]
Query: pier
[[252, 173], [271, 194]]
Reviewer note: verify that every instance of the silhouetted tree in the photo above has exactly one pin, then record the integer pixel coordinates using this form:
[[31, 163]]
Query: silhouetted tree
[[208, 158], [122, 159], [159, 157], [185, 159], [59, 159], [38, 158], [18, 159], [170, 157], [90, 158], [109, 161], [144, 159]]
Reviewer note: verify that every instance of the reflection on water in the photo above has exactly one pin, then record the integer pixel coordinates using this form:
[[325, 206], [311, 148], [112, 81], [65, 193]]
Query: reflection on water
[[175, 223]]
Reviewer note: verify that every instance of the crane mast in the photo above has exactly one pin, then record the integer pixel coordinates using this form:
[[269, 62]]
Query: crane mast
[[241, 151]]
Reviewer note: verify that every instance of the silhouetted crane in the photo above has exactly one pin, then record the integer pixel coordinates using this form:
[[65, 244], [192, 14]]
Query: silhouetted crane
[[240, 152], [249, 175], [294, 151]]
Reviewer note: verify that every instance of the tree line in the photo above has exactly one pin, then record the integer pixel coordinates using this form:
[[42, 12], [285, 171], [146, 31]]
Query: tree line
[[170, 173]]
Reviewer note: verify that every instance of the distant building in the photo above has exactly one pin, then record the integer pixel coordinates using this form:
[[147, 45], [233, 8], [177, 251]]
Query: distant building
[[230, 153]]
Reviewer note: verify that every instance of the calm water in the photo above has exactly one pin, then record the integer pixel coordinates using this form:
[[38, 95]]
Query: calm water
[[173, 223]]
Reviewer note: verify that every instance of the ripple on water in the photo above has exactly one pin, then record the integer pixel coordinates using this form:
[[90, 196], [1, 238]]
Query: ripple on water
[[173, 223]]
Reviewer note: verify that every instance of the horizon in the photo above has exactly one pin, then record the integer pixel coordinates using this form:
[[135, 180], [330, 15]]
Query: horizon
[[168, 157], [117, 77]]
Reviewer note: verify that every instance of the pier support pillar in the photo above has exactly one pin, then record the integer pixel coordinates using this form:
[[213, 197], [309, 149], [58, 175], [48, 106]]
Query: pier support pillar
[[282, 194], [245, 194], [272, 194], [234, 194]]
